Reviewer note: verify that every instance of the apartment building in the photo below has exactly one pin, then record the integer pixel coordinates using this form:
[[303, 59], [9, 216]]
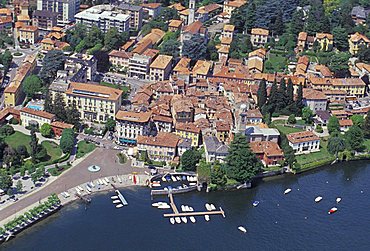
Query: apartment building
[[130, 125], [66, 9], [104, 17], [119, 59], [230, 6], [255, 134], [325, 41], [161, 67], [315, 100], [304, 142], [188, 131], [44, 19], [28, 34], [136, 14], [259, 37], [139, 64], [95, 102], [356, 41]]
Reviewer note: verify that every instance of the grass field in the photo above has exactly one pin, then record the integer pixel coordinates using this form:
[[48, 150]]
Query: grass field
[[278, 63], [124, 88], [52, 149], [83, 148], [279, 124], [323, 154], [17, 139]]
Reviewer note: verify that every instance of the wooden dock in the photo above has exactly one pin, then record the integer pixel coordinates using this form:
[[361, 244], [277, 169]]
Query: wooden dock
[[176, 212]]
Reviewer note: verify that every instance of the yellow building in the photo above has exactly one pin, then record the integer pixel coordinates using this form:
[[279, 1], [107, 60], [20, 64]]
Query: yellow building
[[161, 67], [230, 6], [353, 86], [325, 41], [95, 102], [13, 92], [356, 41], [259, 37], [28, 34], [188, 131]]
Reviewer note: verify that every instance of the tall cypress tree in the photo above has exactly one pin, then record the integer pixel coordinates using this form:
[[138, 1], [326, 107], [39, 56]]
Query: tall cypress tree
[[282, 91], [33, 145], [48, 105], [290, 92], [299, 101], [262, 94], [59, 107]]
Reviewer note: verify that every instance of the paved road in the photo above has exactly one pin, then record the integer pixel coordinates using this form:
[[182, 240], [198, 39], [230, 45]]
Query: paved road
[[79, 174]]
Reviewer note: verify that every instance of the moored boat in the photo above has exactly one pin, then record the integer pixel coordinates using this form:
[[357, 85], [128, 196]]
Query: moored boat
[[184, 219], [339, 199], [191, 209], [172, 220], [287, 191], [116, 201], [173, 178], [114, 197], [208, 207], [206, 217], [256, 203], [242, 229], [318, 199], [164, 206], [119, 179], [212, 207], [106, 179], [333, 210], [192, 219], [119, 206]]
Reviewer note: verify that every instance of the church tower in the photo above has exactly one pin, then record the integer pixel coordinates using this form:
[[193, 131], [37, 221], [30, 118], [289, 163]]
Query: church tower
[[191, 11]]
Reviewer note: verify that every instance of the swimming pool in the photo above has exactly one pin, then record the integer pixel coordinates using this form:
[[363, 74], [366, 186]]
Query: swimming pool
[[38, 107]]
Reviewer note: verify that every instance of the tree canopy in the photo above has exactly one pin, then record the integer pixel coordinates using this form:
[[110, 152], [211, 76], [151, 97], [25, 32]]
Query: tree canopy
[[52, 62], [190, 159], [195, 48], [31, 85], [67, 140]]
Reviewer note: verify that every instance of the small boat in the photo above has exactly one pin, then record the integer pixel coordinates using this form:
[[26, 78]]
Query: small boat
[[156, 185], [100, 182], [156, 204], [208, 207], [192, 219], [106, 179], [80, 188], [178, 178], [192, 184], [116, 201], [114, 197], [242, 229], [119, 205], [164, 206], [256, 203], [172, 220], [188, 178], [187, 208], [206, 217], [119, 179], [287, 191], [183, 208], [212, 207], [88, 189], [67, 194], [173, 178], [178, 220], [164, 179], [191, 209], [92, 184], [318, 199], [184, 219], [165, 188], [332, 210], [339, 199]]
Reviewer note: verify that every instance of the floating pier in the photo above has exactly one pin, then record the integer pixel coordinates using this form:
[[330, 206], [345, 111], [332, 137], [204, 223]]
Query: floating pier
[[176, 212]]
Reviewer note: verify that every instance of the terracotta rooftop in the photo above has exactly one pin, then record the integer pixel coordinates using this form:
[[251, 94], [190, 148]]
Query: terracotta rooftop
[[151, 5], [194, 28], [357, 37], [312, 94], [162, 118], [202, 67], [324, 35], [266, 147], [182, 67], [299, 137], [175, 23], [254, 113], [177, 6], [94, 91], [229, 27], [38, 113], [161, 62], [345, 122], [302, 36], [260, 31], [120, 54], [127, 45], [208, 8], [62, 125], [236, 3], [226, 40], [187, 127], [29, 28], [163, 139], [348, 82], [137, 117]]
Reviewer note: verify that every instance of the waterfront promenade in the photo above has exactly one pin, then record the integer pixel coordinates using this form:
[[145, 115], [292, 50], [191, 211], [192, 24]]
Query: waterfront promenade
[[76, 175]]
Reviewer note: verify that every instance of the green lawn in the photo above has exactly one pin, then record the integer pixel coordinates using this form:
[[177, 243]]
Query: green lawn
[[278, 63], [307, 160], [52, 149], [279, 124], [367, 144], [17, 139], [124, 88], [84, 147]]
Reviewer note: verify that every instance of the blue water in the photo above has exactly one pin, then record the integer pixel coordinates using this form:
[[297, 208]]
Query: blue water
[[36, 107], [280, 222]]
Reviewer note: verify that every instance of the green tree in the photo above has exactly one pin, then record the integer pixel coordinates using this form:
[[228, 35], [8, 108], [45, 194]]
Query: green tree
[[262, 94], [278, 23], [93, 37], [364, 54], [73, 116], [110, 124], [195, 48], [307, 115], [218, 175], [333, 125], [170, 47], [339, 64], [67, 140], [6, 60], [167, 14], [19, 186], [358, 120], [33, 144], [299, 101], [212, 53], [190, 159], [31, 85], [5, 180], [52, 62], [289, 155], [22, 151], [366, 126], [46, 130], [340, 38], [241, 163], [59, 107], [292, 119], [114, 39], [336, 145], [354, 138]]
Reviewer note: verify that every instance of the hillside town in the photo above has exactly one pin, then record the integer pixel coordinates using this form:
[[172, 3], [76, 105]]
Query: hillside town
[[227, 89]]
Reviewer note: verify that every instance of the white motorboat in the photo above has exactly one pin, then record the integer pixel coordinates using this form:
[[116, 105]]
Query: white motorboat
[[287, 191], [78, 191], [183, 208], [119, 179], [173, 178], [119, 205], [212, 207], [242, 229], [106, 179], [164, 179], [156, 185], [188, 178], [191, 209], [187, 208], [206, 217], [105, 182], [88, 189], [164, 206], [156, 204], [80, 188], [114, 197], [116, 201], [92, 184], [208, 207], [100, 182], [67, 194], [172, 220], [318, 199], [339, 199], [178, 178], [332, 210], [184, 219], [178, 220], [192, 219], [192, 184]]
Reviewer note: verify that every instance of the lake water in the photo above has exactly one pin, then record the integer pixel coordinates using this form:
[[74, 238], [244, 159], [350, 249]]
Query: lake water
[[280, 222]]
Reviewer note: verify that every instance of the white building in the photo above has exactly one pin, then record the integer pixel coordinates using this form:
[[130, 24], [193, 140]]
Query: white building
[[129, 125], [304, 142], [36, 118], [66, 9], [104, 17]]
